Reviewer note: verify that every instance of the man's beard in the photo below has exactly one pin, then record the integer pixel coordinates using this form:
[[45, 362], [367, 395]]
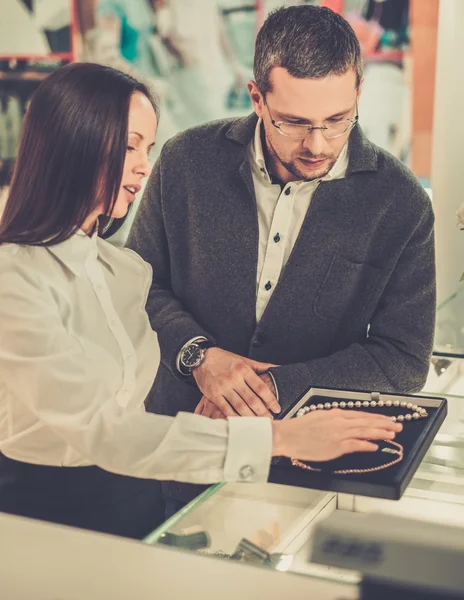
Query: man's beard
[[293, 168]]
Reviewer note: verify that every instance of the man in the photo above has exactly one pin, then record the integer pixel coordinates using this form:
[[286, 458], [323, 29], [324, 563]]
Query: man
[[286, 238]]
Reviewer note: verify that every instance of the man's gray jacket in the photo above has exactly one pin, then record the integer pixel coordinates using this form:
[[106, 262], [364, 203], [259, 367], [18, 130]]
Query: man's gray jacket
[[354, 306]]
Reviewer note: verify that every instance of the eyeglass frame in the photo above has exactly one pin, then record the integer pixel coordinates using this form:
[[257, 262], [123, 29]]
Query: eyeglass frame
[[353, 121]]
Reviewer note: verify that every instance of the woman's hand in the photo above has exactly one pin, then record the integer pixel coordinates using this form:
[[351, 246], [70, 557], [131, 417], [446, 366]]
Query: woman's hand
[[325, 435]]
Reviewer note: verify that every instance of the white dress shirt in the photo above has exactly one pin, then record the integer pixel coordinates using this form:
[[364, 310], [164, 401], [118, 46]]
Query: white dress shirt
[[77, 359], [281, 213]]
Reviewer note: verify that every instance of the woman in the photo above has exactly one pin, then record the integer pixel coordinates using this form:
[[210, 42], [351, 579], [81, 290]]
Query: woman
[[77, 354]]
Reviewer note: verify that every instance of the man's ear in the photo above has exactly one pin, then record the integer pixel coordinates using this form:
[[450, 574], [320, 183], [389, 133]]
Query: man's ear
[[256, 98]]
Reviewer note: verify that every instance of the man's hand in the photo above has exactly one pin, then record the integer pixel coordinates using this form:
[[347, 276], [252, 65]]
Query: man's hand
[[208, 409], [325, 435], [233, 384], [269, 382]]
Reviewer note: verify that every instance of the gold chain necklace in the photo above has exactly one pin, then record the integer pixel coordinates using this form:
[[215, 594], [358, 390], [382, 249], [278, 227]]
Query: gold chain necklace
[[417, 413], [398, 451]]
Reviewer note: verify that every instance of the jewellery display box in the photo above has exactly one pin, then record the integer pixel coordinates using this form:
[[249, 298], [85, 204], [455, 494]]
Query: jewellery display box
[[376, 478]]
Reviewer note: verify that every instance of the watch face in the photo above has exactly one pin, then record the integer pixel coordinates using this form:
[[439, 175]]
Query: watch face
[[191, 357]]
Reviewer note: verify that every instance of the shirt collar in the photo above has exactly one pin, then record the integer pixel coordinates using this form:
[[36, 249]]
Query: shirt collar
[[338, 171], [74, 252]]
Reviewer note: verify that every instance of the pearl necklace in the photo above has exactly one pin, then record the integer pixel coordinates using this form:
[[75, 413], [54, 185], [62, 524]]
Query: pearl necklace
[[417, 413]]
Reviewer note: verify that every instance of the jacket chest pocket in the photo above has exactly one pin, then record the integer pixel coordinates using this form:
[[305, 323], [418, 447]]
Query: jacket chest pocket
[[346, 290]]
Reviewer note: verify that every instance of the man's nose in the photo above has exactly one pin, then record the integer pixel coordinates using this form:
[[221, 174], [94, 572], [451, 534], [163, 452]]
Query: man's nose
[[315, 142]]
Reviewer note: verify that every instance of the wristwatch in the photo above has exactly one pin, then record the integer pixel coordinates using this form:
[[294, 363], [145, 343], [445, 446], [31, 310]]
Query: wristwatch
[[192, 355]]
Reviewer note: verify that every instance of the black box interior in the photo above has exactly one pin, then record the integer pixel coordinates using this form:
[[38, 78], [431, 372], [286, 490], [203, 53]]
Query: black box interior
[[389, 483]]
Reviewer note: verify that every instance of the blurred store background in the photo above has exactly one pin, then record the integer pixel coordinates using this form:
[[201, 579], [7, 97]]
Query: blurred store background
[[198, 56]]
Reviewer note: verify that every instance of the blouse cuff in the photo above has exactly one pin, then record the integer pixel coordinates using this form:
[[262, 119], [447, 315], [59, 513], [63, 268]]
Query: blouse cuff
[[249, 450]]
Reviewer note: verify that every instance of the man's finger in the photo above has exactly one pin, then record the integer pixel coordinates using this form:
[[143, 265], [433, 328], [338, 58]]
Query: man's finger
[[261, 390], [199, 407], [260, 367], [217, 414], [254, 402], [208, 408], [223, 404], [239, 404]]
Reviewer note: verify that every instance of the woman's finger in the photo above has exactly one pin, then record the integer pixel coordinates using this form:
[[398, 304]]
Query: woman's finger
[[370, 433], [349, 446]]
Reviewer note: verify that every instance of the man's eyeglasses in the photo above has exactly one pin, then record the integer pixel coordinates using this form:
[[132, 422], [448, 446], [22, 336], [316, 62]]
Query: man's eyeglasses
[[330, 129]]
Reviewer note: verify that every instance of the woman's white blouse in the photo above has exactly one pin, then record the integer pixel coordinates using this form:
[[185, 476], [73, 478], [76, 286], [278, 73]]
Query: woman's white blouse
[[77, 359]]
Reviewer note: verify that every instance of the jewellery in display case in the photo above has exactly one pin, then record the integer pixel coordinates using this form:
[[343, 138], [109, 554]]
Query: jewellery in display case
[[191, 541], [216, 553], [398, 450], [249, 552], [416, 412]]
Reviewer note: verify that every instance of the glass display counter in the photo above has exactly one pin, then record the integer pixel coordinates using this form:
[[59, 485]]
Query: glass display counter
[[444, 465], [447, 366], [280, 519], [275, 518]]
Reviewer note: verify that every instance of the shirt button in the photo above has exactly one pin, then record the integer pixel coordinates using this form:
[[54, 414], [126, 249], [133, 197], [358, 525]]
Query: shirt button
[[268, 286], [276, 238], [287, 191], [246, 472]]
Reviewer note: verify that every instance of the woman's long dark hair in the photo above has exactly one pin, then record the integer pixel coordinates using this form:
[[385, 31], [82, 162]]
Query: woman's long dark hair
[[71, 154]]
